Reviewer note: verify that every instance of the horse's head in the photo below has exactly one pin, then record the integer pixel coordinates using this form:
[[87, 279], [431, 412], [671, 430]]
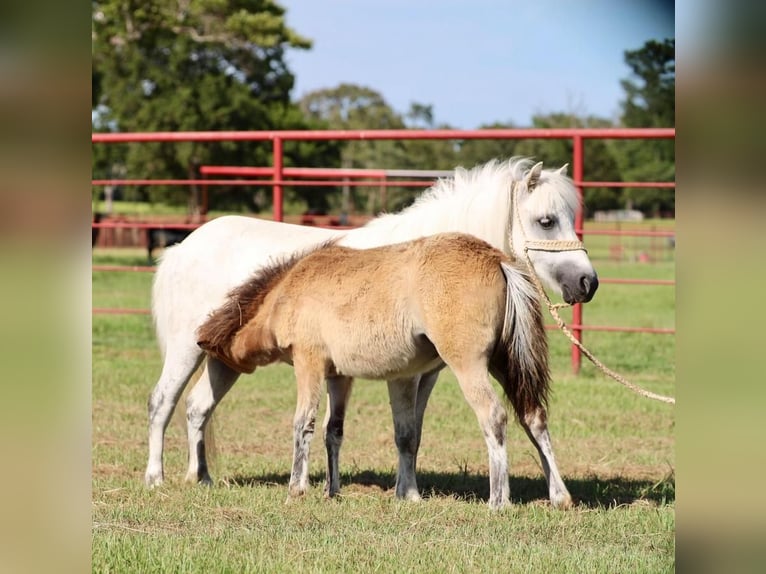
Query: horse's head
[[545, 203]]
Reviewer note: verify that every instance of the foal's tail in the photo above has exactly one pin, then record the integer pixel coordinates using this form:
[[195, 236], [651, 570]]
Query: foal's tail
[[521, 355]]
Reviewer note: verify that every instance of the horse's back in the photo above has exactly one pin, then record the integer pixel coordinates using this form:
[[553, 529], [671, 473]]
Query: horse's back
[[195, 276]]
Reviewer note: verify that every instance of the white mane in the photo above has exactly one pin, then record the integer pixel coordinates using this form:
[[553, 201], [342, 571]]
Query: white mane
[[475, 201]]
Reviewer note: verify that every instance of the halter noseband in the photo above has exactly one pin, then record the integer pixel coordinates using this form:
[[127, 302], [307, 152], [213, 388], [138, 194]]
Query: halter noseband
[[553, 245]]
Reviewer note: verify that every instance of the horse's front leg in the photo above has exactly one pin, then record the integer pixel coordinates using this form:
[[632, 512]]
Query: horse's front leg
[[403, 396], [425, 386], [216, 380], [338, 393], [309, 374], [535, 424]]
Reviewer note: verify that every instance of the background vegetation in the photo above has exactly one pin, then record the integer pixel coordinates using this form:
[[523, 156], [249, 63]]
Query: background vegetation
[[220, 65]]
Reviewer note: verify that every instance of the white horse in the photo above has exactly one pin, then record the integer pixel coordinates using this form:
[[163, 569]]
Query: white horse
[[195, 277]]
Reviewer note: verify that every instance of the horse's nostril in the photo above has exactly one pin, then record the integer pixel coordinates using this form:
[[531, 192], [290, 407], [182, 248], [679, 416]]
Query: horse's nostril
[[589, 284]]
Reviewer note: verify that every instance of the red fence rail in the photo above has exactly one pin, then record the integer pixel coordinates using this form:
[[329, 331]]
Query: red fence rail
[[279, 177]]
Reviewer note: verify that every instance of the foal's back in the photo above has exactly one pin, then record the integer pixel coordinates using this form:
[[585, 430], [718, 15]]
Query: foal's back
[[386, 312]]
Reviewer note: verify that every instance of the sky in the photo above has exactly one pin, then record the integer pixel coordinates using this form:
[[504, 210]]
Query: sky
[[477, 61]]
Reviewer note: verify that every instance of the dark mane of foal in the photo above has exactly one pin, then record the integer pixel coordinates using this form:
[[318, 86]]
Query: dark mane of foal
[[243, 302]]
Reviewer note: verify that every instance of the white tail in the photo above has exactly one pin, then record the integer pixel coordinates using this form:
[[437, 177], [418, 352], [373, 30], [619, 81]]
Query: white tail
[[519, 323]]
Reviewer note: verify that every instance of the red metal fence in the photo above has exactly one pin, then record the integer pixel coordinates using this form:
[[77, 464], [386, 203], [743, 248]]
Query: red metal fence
[[281, 176]]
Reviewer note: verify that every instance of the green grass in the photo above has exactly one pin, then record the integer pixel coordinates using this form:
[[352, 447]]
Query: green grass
[[628, 248], [615, 450]]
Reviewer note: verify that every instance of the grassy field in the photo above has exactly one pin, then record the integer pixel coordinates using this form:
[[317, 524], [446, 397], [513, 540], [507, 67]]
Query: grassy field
[[615, 450]]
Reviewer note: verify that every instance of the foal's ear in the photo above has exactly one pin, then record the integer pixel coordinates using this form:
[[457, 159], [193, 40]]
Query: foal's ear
[[533, 176], [563, 169]]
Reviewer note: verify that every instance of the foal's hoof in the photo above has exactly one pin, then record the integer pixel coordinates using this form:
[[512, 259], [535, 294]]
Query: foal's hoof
[[192, 478], [330, 493], [562, 502]]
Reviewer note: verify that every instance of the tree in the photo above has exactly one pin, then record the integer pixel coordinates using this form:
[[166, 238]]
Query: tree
[[193, 65], [475, 152], [420, 116], [349, 106], [650, 94], [649, 102], [427, 154]]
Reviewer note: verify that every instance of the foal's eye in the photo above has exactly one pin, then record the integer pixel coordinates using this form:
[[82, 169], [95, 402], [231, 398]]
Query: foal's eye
[[546, 222]]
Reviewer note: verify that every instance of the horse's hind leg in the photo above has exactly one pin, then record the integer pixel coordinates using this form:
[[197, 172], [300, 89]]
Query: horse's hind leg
[[217, 379], [309, 374], [535, 423], [338, 392], [176, 372], [403, 395]]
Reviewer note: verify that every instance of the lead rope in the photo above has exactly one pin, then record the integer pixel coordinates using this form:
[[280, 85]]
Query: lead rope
[[553, 308]]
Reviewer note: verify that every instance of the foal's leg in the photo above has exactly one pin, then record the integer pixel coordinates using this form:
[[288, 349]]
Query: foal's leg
[[535, 423], [180, 364], [425, 386], [477, 389], [338, 393], [403, 394], [215, 382], [309, 374]]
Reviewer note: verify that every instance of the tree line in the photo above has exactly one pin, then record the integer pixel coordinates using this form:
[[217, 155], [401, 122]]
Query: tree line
[[220, 65]]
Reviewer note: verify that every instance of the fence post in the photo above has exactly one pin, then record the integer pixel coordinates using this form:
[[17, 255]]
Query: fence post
[[203, 210], [277, 190], [577, 175]]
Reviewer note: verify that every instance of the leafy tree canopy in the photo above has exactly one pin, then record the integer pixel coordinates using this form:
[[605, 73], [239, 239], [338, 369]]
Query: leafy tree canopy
[[649, 102], [193, 65], [650, 92], [350, 106]]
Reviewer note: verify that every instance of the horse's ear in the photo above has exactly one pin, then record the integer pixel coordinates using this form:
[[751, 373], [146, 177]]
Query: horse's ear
[[533, 176], [563, 169]]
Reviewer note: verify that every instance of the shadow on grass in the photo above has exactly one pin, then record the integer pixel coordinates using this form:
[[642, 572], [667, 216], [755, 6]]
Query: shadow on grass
[[592, 491]]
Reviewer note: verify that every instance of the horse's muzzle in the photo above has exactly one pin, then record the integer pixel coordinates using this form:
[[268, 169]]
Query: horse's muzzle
[[580, 288]]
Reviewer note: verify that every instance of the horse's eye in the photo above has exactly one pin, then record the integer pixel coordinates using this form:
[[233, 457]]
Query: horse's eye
[[546, 222]]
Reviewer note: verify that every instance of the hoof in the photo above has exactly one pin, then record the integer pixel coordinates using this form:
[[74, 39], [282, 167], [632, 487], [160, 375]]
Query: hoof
[[293, 498], [294, 492], [563, 502], [410, 494], [331, 493], [495, 506], [153, 480], [192, 478]]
